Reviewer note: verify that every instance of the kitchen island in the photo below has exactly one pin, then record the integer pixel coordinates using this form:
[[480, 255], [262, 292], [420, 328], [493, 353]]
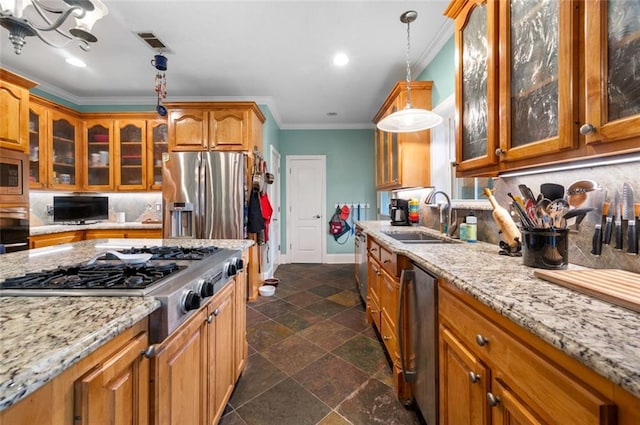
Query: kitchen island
[[600, 336], [41, 337]]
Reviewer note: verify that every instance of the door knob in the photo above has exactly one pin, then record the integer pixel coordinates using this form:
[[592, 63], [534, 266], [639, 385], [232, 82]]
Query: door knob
[[317, 216]]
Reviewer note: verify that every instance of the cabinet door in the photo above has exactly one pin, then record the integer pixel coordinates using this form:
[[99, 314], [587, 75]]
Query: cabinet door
[[612, 48], [65, 151], [14, 117], [38, 148], [179, 376], [157, 144], [130, 154], [222, 371], [373, 292], [40, 241], [240, 325], [539, 77], [476, 39], [389, 311], [188, 130], [508, 409], [98, 139], [228, 129], [464, 383], [117, 391]]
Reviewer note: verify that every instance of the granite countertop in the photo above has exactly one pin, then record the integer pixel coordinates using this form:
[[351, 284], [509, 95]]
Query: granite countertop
[[598, 334], [58, 228], [40, 337]]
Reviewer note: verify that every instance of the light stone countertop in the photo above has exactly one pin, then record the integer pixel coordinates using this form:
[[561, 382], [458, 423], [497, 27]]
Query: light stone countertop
[[107, 225], [40, 337], [600, 335]]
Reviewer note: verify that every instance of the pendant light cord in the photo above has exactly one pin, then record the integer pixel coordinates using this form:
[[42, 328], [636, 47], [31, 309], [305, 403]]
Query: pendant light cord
[[408, 66]]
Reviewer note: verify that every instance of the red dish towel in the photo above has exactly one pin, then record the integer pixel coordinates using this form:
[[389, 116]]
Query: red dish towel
[[267, 212]]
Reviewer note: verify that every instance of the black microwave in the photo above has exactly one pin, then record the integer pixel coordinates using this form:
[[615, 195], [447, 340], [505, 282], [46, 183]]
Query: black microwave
[[14, 183]]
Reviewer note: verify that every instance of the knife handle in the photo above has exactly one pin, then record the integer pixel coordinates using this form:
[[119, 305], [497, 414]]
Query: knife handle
[[618, 234], [596, 245], [632, 237], [607, 231]]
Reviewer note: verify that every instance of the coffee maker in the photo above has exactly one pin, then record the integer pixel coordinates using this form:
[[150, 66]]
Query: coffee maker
[[399, 209]]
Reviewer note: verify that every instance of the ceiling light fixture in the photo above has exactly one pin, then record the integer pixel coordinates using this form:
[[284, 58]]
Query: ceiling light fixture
[[340, 59], [409, 119], [43, 17], [76, 62]]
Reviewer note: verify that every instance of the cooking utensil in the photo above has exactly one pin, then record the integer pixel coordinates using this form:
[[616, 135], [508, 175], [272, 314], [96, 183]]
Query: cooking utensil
[[524, 218], [617, 223], [596, 242], [551, 255], [577, 192], [628, 214], [544, 221], [608, 225], [552, 190], [160, 109], [556, 210], [526, 192]]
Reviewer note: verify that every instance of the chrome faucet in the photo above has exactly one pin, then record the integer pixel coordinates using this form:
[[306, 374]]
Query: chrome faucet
[[431, 201]]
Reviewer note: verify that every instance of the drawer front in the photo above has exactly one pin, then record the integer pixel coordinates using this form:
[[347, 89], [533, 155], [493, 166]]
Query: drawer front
[[389, 290], [374, 311], [388, 334], [389, 261], [373, 249], [537, 381]]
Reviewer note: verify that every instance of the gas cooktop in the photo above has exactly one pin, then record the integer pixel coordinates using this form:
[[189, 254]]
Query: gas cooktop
[[169, 252]]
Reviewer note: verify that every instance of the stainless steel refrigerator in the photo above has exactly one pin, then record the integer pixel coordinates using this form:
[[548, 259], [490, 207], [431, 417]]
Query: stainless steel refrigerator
[[203, 195]]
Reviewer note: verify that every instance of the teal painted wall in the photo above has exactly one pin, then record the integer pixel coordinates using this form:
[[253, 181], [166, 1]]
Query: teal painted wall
[[93, 108], [350, 173], [441, 70]]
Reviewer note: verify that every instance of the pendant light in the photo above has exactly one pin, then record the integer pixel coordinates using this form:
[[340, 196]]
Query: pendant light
[[409, 119]]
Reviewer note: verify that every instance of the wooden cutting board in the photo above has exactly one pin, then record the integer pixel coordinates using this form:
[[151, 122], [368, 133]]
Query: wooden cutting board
[[618, 287]]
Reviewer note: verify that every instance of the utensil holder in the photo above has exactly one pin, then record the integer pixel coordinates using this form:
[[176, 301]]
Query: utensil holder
[[546, 248]]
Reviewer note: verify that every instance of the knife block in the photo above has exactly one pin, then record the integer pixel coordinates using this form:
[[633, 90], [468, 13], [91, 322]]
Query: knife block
[[546, 248]]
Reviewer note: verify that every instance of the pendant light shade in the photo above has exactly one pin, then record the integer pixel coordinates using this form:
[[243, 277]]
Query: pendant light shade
[[409, 119]]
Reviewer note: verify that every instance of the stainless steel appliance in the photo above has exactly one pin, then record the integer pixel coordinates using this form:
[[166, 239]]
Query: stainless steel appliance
[[399, 211], [181, 278], [14, 201], [203, 195], [361, 263], [418, 338]]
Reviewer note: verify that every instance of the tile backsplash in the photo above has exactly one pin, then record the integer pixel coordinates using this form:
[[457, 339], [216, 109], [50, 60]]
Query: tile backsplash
[[134, 205]]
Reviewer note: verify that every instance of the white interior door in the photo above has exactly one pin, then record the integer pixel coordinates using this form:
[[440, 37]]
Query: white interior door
[[306, 208], [274, 197]]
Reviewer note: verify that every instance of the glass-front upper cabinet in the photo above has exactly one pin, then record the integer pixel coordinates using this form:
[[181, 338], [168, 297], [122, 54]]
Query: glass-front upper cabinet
[[612, 70], [476, 39], [131, 155], [539, 77], [157, 145], [99, 152], [37, 147], [65, 152]]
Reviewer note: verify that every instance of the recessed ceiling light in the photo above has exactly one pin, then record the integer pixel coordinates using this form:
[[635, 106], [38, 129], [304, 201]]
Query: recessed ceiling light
[[332, 114], [340, 59], [76, 62]]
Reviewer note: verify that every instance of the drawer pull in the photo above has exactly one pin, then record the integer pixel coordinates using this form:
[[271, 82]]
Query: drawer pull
[[474, 377], [150, 352], [386, 338], [481, 340], [386, 261], [493, 400], [210, 319], [373, 249]]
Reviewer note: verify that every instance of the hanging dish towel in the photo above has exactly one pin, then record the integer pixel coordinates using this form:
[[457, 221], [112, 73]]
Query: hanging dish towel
[[267, 212], [255, 222]]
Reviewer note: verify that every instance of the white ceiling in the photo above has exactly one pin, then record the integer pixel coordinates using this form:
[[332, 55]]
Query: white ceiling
[[278, 53]]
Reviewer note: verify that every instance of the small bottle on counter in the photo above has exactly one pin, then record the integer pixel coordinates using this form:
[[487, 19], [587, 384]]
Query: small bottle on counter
[[472, 228], [463, 231]]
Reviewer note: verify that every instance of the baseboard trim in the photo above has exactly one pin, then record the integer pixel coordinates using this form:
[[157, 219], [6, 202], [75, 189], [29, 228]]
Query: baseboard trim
[[328, 259]]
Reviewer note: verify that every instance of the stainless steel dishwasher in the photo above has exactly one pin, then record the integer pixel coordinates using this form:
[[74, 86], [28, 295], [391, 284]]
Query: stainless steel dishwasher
[[361, 264], [418, 338]]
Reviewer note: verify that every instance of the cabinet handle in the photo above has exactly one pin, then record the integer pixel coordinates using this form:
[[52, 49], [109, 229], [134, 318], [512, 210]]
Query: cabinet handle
[[386, 261], [474, 377], [481, 340], [493, 400], [373, 249], [500, 152], [150, 352], [216, 312], [587, 129], [210, 318], [386, 338]]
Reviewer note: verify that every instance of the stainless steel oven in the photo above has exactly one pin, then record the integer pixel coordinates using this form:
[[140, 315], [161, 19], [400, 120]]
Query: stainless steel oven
[[14, 201]]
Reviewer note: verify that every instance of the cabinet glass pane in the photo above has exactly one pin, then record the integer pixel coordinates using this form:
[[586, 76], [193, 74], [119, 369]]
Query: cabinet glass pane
[[131, 155], [385, 157], [394, 157], [98, 155], [160, 146], [64, 151], [623, 58], [474, 85], [34, 148], [534, 70]]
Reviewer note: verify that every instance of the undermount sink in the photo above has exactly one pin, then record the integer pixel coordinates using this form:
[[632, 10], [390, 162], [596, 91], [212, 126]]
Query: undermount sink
[[415, 238]]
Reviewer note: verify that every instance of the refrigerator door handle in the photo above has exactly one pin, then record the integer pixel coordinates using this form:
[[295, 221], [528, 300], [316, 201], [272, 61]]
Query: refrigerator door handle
[[405, 277], [202, 195]]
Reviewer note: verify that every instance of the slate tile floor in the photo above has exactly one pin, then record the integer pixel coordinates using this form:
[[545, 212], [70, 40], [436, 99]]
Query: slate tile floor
[[313, 359]]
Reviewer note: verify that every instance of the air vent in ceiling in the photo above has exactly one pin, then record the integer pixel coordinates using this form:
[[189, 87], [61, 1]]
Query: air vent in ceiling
[[152, 41]]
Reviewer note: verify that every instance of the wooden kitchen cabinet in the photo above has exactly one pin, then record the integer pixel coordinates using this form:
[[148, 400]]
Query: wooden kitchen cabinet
[[39, 157], [521, 384], [612, 39], [403, 159], [98, 138], [240, 325], [131, 152], [40, 241], [14, 111], [157, 146], [110, 386], [124, 233], [117, 390], [197, 126]]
